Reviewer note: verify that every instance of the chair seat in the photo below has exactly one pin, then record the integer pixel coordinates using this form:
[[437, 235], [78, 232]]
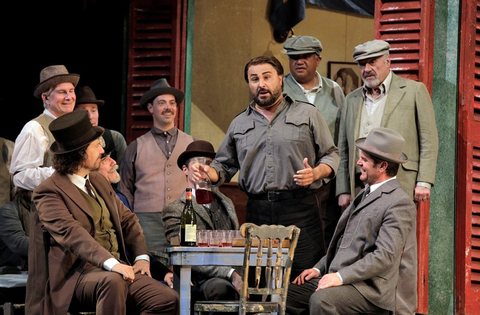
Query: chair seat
[[233, 306]]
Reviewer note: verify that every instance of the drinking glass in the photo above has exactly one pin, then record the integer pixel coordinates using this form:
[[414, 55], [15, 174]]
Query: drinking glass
[[203, 187]]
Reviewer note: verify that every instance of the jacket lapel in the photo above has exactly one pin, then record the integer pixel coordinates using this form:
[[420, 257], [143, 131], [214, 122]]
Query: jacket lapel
[[395, 95]]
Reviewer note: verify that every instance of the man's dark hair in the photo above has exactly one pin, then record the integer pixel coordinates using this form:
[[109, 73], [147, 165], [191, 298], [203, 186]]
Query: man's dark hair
[[271, 60], [69, 163], [392, 167]]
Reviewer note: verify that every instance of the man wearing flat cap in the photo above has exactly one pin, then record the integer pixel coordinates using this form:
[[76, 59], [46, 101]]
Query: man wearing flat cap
[[360, 270], [31, 160], [304, 83], [149, 172], [96, 255], [390, 101]]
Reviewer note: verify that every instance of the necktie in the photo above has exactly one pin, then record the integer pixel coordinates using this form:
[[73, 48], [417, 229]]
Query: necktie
[[366, 192], [88, 187]]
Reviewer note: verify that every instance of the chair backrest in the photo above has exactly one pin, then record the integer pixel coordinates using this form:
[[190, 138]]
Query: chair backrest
[[271, 272]]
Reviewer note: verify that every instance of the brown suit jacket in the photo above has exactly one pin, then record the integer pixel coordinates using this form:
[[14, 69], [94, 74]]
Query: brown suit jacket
[[60, 209]]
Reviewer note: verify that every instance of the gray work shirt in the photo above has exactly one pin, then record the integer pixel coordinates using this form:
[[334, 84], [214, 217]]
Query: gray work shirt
[[269, 153]]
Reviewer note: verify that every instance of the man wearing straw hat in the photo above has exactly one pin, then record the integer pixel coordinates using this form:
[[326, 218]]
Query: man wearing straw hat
[[360, 270]]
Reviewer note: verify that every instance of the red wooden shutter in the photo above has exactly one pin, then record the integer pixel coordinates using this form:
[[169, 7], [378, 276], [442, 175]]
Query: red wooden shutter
[[408, 26], [157, 39], [468, 150]]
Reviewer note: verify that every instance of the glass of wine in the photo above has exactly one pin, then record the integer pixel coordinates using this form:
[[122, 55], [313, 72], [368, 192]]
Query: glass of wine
[[203, 187]]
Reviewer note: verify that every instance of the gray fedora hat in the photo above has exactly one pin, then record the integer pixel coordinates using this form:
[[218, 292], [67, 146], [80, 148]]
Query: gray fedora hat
[[196, 148], [371, 49], [53, 75], [384, 143], [85, 95], [160, 87], [73, 131], [297, 45]]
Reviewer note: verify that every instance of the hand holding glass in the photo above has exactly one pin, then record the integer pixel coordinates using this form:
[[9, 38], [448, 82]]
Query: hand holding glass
[[203, 187]]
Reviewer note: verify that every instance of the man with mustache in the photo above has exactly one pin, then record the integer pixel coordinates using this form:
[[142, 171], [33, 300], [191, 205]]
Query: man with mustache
[[390, 101], [304, 83], [149, 174], [284, 153]]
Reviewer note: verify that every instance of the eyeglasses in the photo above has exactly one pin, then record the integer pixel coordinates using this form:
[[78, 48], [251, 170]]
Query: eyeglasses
[[301, 56]]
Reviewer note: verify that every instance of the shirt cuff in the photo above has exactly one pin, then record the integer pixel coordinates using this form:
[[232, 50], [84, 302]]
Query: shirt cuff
[[230, 273], [424, 184], [109, 263], [338, 274], [143, 257]]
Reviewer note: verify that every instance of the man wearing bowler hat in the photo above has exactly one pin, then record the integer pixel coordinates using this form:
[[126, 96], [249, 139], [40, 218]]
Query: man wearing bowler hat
[[214, 282], [86, 231], [31, 160], [304, 83], [360, 270], [390, 101], [149, 172], [114, 141]]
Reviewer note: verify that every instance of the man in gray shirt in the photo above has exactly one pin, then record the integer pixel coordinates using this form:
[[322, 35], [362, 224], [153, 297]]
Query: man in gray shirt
[[283, 152]]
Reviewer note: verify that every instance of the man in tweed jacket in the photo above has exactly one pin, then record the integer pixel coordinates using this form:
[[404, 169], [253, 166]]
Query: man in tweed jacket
[[360, 271]]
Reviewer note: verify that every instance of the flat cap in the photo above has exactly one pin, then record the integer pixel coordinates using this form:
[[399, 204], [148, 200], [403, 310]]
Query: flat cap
[[371, 49], [297, 45]]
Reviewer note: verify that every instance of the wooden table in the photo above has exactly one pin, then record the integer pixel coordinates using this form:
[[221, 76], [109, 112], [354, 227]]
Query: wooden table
[[183, 258]]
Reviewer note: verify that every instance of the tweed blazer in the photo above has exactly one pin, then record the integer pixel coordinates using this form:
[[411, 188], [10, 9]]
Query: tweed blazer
[[60, 209], [409, 111], [171, 217], [367, 245]]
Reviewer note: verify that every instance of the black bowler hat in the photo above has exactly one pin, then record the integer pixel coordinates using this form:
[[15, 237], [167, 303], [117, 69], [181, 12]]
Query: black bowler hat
[[85, 95], [73, 131], [196, 148]]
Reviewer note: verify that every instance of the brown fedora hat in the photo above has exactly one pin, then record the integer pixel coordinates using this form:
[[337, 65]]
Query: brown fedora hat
[[196, 148], [384, 143], [160, 87], [85, 95], [53, 75], [73, 131]]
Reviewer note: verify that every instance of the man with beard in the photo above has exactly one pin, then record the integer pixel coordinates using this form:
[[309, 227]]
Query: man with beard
[[283, 151], [390, 101], [150, 177]]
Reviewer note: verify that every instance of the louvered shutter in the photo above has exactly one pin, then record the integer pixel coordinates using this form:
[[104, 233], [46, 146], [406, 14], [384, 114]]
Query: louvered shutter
[[408, 26], [468, 179], [157, 38]]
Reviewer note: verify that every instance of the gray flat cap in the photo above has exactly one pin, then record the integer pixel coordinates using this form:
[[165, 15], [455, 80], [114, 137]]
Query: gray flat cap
[[297, 45], [371, 49]]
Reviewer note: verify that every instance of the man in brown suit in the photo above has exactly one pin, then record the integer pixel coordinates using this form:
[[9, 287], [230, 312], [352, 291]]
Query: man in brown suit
[[87, 232]]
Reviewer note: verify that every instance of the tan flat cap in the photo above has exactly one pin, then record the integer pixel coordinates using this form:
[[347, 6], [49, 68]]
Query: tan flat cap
[[371, 49]]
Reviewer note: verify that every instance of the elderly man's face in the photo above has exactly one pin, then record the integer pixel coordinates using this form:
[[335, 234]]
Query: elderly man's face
[[303, 67], [374, 70], [61, 100]]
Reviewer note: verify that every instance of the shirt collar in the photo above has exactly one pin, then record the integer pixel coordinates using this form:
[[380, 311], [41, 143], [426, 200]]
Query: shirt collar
[[158, 131], [78, 180], [316, 88], [375, 186]]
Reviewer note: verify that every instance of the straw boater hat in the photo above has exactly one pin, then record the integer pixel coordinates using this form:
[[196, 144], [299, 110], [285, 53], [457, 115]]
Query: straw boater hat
[[85, 95], [384, 143], [53, 75], [196, 148], [73, 131], [160, 87]]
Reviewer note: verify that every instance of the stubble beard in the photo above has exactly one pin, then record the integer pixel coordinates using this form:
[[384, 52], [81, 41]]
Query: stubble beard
[[269, 101]]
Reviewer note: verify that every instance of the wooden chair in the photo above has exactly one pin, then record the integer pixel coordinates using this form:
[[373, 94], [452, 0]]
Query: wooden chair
[[271, 272]]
